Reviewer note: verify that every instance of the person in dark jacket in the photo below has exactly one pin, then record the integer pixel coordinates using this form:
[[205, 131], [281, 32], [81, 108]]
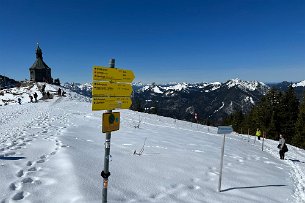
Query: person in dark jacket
[[35, 96], [282, 147], [59, 92], [31, 98], [43, 88], [19, 100]]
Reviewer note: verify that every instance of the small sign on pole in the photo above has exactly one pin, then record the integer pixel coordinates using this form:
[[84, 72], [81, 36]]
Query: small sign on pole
[[111, 122], [223, 130]]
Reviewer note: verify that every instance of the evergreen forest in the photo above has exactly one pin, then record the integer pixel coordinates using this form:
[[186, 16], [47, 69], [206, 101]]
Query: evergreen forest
[[276, 113]]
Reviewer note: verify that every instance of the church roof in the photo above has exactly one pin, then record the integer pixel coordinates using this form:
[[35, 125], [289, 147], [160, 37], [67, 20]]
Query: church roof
[[39, 63]]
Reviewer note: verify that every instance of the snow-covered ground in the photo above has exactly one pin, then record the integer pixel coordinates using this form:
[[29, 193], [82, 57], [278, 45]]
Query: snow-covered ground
[[53, 151]]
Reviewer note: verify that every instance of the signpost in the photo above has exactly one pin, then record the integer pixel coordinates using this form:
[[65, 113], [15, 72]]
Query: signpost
[[223, 130], [103, 103], [104, 89], [111, 90], [112, 74]]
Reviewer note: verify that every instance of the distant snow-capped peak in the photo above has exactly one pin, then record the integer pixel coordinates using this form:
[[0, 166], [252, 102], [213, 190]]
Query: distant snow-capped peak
[[156, 89], [177, 87], [299, 84], [247, 85]]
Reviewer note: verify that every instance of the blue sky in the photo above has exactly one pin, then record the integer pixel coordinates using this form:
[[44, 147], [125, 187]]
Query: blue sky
[[160, 40]]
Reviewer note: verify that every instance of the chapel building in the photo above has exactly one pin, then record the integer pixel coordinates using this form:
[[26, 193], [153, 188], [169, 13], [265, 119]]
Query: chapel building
[[40, 71]]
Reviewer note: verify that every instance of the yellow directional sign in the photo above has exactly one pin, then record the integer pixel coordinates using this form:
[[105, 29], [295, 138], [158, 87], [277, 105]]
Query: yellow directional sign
[[110, 103], [112, 74], [111, 122], [103, 89]]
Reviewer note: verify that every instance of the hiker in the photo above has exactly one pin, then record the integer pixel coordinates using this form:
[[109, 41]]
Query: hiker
[[282, 147], [43, 95], [43, 87], [48, 94], [59, 92], [35, 96], [63, 93], [31, 98], [19, 100], [258, 133]]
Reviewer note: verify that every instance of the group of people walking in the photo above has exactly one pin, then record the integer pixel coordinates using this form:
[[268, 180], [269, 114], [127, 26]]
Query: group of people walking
[[45, 95], [281, 146], [35, 97]]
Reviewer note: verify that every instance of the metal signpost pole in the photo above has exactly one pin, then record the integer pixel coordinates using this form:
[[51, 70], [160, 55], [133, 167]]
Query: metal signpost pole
[[105, 174], [221, 162]]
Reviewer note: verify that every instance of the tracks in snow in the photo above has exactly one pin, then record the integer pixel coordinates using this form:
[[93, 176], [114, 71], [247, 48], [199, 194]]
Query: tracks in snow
[[26, 126]]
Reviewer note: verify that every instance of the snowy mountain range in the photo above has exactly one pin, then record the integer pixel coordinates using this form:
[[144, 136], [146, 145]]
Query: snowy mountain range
[[210, 101]]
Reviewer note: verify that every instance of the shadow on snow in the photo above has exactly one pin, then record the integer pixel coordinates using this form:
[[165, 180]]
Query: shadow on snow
[[249, 187], [12, 158], [296, 161]]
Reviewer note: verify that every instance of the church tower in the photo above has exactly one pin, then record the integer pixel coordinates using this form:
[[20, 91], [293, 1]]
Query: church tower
[[40, 71]]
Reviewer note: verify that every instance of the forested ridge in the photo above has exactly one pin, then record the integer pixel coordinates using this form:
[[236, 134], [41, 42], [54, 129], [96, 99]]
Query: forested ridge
[[276, 113]]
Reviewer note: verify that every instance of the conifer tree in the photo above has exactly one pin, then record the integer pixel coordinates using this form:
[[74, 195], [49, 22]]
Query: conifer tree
[[299, 138], [288, 111], [272, 131]]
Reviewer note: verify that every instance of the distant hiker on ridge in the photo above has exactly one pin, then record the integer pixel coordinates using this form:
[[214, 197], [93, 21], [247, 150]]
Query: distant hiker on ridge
[[48, 94], [31, 98], [35, 96], [258, 133], [43, 87], [59, 92], [19, 100]]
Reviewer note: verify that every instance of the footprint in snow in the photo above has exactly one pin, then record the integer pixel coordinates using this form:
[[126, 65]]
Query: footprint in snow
[[41, 161], [14, 186], [20, 173], [32, 169], [19, 196], [27, 180], [42, 158]]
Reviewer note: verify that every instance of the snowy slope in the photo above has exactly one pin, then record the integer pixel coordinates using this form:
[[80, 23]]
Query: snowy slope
[[52, 151], [10, 96]]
